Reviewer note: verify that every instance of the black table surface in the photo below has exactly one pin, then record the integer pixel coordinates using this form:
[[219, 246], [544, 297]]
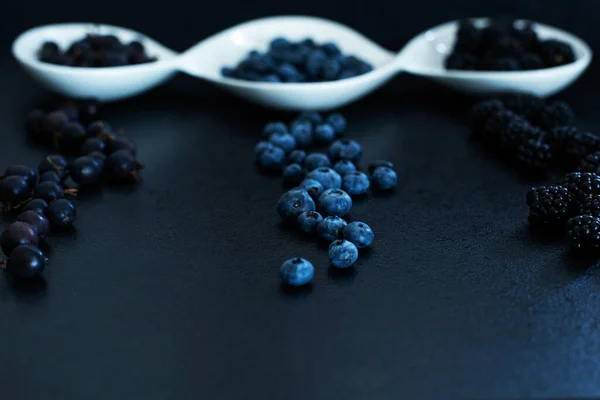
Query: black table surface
[[171, 290]]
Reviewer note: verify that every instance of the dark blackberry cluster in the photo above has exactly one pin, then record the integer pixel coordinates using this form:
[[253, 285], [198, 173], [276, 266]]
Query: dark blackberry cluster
[[505, 45], [584, 233], [523, 128], [95, 50], [549, 206], [39, 196], [293, 62]]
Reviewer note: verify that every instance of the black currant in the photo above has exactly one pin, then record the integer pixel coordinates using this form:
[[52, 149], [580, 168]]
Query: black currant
[[26, 261], [38, 222], [38, 205], [48, 191], [62, 214], [98, 156], [93, 144], [51, 125], [14, 190], [16, 234], [71, 109], [69, 137], [50, 176], [121, 143], [100, 129], [86, 170], [121, 166], [33, 123], [54, 162], [88, 110], [22, 170]]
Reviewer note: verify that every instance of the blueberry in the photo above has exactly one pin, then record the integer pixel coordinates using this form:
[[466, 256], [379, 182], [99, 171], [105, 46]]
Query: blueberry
[[296, 271], [330, 70], [308, 221], [272, 78], [356, 183], [326, 177], [331, 49], [342, 254], [338, 122], [347, 73], [314, 188], [384, 178], [312, 116], [345, 149], [261, 146], [284, 140], [280, 43], [334, 202], [314, 63], [288, 73], [293, 174], [296, 157], [293, 203], [359, 233], [274, 127], [228, 72], [324, 133], [344, 167], [271, 158], [380, 163], [316, 160], [331, 228], [302, 131]]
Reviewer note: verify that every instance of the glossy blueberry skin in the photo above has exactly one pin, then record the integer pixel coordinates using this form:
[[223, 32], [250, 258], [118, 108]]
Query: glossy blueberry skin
[[302, 131], [326, 177], [356, 183], [284, 140], [358, 233], [380, 163], [293, 174], [384, 178], [308, 221], [345, 149], [271, 158], [313, 64], [334, 202], [344, 167], [262, 145], [312, 116], [330, 70], [314, 188], [274, 127], [342, 254], [288, 73], [293, 203], [331, 228], [316, 160], [338, 122], [324, 133], [296, 271], [296, 157], [331, 49]]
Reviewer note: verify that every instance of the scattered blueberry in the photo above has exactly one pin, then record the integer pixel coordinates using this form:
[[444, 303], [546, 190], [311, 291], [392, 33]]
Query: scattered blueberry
[[314, 188], [331, 228], [342, 254], [259, 148], [296, 157], [356, 183], [274, 127], [326, 177], [358, 233], [345, 149], [293, 203], [302, 131], [316, 160], [311, 116], [284, 140], [338, 122], [384, 178], [380, 163], [296, 271], [271, 158], [308, 221], [324, 133], [344, 167], [334, 202], [293, 174]]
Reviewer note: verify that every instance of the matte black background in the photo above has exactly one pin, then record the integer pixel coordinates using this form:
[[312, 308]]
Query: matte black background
[[170, 290]]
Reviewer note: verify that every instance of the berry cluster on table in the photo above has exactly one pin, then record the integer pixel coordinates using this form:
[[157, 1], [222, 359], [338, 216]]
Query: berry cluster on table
[[95, 50], [322, 186], [294, 62], [505, 45], [92, 155]]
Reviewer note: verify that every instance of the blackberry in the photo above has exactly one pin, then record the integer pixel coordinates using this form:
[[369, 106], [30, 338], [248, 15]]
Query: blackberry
[[493, 63], [526, 35], [461, 61], [580, 145], [495, 125], [556, 114], [515, 133], [581, 184], [549, 206], [591, 163], [468, 37], [481, 111], [555, 53], [531, 61], [524, 104], [534, 153], [584, 233], [590, 206]]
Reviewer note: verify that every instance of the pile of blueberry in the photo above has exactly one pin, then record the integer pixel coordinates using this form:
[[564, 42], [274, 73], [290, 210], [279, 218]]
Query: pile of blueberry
[[95, 50], [322, 186], [38, 196], [531, 134], [505, 45], [303, 61]]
